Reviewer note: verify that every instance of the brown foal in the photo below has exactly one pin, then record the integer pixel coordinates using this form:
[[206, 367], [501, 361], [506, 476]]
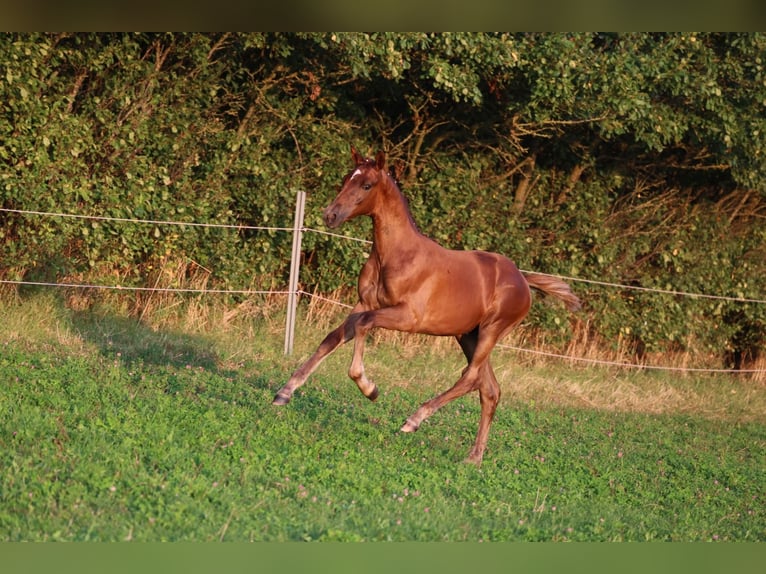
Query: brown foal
[[410, 283]]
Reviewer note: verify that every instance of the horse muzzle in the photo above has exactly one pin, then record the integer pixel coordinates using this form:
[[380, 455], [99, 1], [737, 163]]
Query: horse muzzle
[[333, 217]]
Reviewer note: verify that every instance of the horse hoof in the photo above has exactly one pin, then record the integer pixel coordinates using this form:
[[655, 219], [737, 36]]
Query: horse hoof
[[409, 426], [374, 394], [280, 399], [474, 458]]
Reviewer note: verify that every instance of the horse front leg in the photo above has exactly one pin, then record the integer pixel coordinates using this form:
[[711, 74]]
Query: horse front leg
[[396, 318], [336, 338], [356, 370]]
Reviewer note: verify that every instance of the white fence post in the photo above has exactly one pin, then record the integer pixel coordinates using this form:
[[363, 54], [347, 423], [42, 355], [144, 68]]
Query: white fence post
[[295, 268]]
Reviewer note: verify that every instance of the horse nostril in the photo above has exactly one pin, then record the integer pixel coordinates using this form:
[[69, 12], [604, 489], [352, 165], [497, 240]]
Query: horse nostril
[[330, 217]]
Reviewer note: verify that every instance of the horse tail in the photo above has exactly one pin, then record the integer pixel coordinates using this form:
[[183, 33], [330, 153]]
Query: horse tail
[[554, 286]]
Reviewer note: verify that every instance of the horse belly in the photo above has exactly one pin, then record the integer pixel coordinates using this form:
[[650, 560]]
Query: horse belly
[[476, 288], [455, 310], [449, 302]]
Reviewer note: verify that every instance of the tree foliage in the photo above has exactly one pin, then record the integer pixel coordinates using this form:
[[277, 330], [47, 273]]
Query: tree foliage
[[631, 158]]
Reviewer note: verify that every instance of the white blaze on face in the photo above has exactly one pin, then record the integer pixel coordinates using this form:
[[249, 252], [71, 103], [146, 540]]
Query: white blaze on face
[[357, 172]]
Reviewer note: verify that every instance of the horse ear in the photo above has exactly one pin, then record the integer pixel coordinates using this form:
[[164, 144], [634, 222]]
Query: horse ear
[[380, 160], [356, 156]]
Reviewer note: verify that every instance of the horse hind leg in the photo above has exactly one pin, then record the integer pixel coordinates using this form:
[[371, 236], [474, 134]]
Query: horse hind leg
[[489, 389], [489, 396], [477, 346], [464, 384]]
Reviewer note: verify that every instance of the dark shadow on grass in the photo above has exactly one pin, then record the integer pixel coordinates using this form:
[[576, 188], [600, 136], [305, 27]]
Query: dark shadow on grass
[[135, 342]]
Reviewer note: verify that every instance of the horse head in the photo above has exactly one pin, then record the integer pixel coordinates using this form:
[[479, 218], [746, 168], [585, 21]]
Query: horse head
[[358, 194]]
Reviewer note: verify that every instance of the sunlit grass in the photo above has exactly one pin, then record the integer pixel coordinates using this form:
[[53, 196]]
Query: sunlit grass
[[115, 429]]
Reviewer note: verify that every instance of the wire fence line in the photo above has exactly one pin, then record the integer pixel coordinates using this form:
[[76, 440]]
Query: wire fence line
[[368, 242], [152, 289], [657, 290], [624, 365], [340, 235], [144, 221], [298, 228]]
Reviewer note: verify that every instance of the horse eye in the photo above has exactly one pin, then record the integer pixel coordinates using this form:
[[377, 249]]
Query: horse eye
[[367, 187]]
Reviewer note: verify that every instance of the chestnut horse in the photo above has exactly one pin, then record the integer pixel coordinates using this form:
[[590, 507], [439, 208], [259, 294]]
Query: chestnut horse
[[410, 283]]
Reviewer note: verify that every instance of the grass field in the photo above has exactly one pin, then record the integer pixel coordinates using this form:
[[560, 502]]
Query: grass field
[[118, 430]]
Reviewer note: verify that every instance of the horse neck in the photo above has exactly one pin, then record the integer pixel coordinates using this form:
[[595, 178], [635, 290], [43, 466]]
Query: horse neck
[[392, 223]]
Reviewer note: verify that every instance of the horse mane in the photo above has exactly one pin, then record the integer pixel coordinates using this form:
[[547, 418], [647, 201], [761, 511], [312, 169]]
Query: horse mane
[[392, 174]]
